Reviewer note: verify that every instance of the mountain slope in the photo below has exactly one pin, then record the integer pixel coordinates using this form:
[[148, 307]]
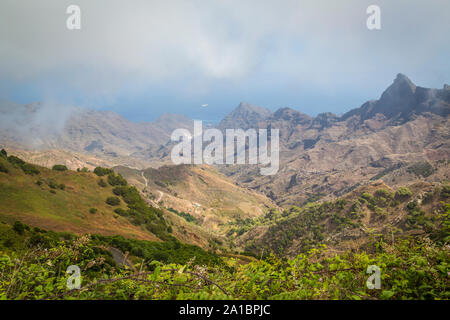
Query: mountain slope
[[355, 221], [200, 191], [64, 201]]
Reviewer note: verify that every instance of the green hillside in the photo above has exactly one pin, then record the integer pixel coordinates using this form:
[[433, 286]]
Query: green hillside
[[79, 202], [51, 219]]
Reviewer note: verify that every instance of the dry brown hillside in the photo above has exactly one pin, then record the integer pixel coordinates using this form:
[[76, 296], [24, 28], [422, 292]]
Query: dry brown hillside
[[201, 191]]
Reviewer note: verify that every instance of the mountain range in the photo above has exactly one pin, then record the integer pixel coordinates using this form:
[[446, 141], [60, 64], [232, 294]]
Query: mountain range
[[320, 157]]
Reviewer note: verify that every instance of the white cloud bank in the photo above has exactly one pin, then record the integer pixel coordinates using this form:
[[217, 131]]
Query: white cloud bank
[[135, 44]]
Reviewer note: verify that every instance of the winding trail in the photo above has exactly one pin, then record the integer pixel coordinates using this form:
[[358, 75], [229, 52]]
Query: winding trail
[[160, 196], [145, 179], [146, 185]]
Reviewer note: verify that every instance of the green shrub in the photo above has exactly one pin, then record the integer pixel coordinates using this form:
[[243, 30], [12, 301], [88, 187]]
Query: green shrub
[[116, 180], [59, 167], [8, 243], [118, 191], [52, 184], [113, 201], [121, 212], [412, 205], [384, 193], [340, 203], [188, 217], [102, 171], [3, 153], [102, 183], [403, 193], [93, 210], [29, 169], [39, 230], [380, 212], [3, 168], [16, 161], [423, 169], [131, 196], [445, 193], [366, 196], [19, 227]]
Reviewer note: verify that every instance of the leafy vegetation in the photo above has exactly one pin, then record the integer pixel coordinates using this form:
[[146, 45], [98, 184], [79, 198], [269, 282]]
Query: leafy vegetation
[[102, 183], [139, 212], [113, 201], [26, 167], [33, 266], [3, 168], [116, 180], [294, 259], [423, 169], [187, 216], [167, 252], [100, 171], [59, 167], [403, 193]]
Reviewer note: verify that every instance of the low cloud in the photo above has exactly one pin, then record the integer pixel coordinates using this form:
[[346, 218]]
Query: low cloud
[[132, 46], [33, 125]]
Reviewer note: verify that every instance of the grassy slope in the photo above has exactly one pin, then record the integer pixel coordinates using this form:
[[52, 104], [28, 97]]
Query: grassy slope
[[65, 210]]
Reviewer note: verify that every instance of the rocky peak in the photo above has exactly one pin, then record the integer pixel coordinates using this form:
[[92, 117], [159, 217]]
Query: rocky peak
[[245, 108], [288, 114], [245, 116], [401, 89], [325, 120]]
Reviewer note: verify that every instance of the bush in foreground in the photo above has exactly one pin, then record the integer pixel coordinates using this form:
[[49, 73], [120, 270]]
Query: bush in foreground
[[59, 167]]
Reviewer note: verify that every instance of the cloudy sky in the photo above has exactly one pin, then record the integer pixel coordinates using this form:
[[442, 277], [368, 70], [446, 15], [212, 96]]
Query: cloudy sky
[[145, 58]]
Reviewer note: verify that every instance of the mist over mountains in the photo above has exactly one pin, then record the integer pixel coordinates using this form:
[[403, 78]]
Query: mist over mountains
[[50, 126]]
